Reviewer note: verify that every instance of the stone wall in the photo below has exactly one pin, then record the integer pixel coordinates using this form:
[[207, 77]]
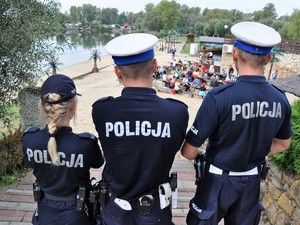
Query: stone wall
[[280, 196], [290, 61], [28, 99]]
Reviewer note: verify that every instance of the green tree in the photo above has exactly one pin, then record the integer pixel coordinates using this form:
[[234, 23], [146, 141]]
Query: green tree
[[110, 16], [217, 14], [194, 11], [123, 18], [151, 19], [138, 23], [189, 17], [169, 14], [256, 15], [185, 25], [278, 25], [53, 64], [89, 12], [208, 30], [219, 28], [94, 56], [213, 27], [199, 27], [284, 31], [236, 15], [294, 25], [24, 26], [269, 12], [267, 22], [75, 15]]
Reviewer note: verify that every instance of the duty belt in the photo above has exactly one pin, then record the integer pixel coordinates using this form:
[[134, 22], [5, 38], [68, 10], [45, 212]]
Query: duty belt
[[70, 197], [145, 203], [215, 170]]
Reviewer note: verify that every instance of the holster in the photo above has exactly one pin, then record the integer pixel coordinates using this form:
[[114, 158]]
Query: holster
[[199, 165], [80, 198], [145, 204], [173, 185], [103, 192], [264, 171], [165, 193], [37, 192]]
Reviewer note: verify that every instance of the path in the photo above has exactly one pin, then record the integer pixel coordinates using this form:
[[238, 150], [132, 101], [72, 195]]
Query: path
[[17, 205]]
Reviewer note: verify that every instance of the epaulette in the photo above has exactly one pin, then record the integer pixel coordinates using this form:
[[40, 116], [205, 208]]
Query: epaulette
[[278, 88], [104, 99], [88, 135], [175, 100], [222, 88], [31, 130]]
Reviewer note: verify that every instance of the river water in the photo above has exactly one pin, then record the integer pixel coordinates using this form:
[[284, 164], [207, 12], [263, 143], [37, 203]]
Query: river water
[[84, 44]]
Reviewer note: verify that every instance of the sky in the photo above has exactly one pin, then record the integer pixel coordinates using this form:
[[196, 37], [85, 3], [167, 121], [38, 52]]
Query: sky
[[283, 7]]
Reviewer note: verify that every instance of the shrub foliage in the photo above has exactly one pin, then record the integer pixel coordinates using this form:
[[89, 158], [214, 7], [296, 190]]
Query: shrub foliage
[[290, 158], [11, 154]]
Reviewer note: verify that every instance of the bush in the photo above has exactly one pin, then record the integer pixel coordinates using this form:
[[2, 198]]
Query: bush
[[290, 159], [11, 154]]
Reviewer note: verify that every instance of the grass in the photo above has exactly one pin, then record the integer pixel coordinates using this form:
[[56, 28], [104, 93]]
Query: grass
[[186, 48]]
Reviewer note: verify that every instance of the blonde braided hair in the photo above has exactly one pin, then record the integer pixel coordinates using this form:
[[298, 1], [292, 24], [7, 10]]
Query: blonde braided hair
[[54, 114]]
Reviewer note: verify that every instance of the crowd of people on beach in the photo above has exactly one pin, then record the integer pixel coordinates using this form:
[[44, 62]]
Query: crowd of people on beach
[[196, 77]]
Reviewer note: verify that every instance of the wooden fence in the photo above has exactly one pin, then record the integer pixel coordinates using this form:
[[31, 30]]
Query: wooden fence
[[290, 46]]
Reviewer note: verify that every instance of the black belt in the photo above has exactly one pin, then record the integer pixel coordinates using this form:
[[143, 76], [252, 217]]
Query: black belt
[[70, 197]]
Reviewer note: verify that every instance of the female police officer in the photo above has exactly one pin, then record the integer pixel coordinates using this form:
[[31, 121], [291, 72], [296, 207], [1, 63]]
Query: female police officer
[[60, 159], [140, 134], [244, 121]]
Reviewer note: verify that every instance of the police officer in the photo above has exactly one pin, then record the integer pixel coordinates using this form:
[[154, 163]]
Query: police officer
[[244, 122], [60, 159], [140, 133]]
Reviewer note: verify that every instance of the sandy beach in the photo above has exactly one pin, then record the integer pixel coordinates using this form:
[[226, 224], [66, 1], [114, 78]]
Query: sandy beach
[[104, 83]]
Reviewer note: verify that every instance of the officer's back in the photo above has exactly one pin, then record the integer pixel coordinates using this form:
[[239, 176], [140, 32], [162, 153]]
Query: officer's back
[[140, 134]]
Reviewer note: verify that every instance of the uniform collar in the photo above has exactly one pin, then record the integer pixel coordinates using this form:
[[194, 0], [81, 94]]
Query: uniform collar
[[138, 91], [63, 130], [252, 78]]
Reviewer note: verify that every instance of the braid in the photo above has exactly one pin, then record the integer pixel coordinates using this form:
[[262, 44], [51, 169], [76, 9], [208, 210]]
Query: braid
[[54, 113]]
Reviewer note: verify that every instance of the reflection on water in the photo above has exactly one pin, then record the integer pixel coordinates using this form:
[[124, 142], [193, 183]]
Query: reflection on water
[[83, 44]]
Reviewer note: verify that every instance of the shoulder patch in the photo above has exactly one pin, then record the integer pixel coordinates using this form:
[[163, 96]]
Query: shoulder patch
[[87, 135], [31, 130], [222, 88], [175, 100], [104, 99]]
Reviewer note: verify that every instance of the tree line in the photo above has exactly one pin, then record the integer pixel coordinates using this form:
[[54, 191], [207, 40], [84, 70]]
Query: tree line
[[25, 27], [170, 15]]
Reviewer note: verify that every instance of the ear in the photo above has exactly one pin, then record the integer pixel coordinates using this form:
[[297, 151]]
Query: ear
[[154, 66], [118, 73], [234, 54], [268, 59]]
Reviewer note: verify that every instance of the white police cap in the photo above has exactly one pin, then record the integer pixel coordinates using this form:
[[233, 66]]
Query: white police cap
[[131, 48], [254, 37]]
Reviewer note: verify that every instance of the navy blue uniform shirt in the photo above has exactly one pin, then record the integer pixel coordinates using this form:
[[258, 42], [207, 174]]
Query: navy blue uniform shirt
[[77, 154], [241, 119], [140, 133]]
